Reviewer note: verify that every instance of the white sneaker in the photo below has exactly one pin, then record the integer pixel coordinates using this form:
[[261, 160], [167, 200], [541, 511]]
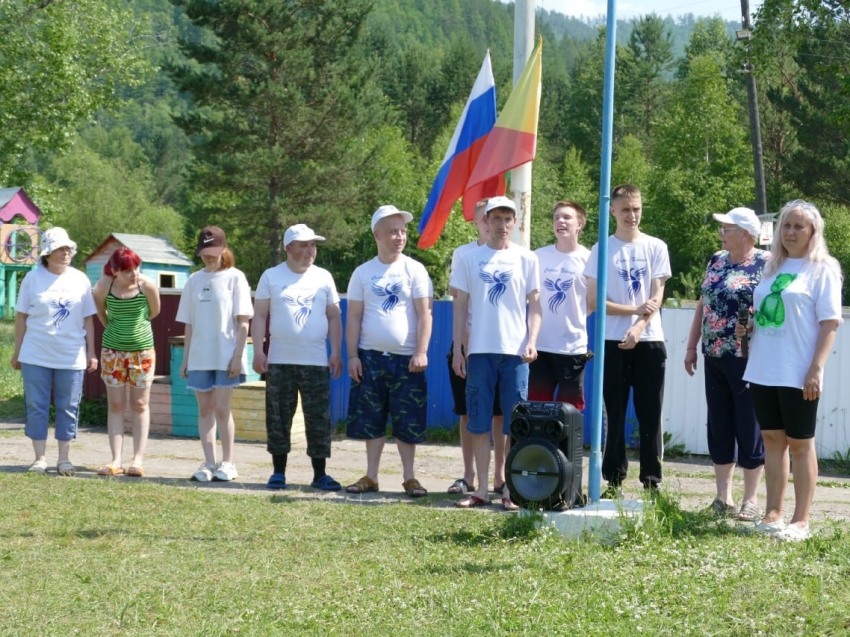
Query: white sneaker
[[770, 528], [794, 533], [204, 473], [225, 472]]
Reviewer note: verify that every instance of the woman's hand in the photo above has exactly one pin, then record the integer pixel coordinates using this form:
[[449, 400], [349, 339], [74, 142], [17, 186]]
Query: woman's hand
[[812, 384], [691, 361]]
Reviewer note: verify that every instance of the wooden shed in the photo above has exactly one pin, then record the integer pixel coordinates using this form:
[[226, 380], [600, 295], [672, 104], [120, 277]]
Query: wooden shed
[[161, 260]]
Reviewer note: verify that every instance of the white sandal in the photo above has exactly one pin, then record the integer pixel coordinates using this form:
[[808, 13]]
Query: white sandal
[[65, 468], [39, 466]]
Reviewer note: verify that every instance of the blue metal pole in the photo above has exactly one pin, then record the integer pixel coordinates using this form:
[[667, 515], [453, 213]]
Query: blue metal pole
[[595, 472]]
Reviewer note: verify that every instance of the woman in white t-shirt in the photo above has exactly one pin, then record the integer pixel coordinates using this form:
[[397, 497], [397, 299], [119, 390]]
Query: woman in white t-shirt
[[215, 306], [797, 311], [54, 345]]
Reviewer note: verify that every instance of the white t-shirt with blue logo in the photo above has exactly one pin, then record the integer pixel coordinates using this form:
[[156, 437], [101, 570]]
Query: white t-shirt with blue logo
[[298, 322], [563, 298], [56, 306], [387, 290], [498, 283], [632, 267]]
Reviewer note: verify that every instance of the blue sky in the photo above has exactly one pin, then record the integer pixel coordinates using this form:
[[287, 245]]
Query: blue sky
[[728, 9]]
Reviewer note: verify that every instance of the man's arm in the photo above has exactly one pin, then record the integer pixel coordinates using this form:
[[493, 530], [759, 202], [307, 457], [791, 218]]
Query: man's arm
[[352, 339], [335, 337], [260, 362], [650, 308], [424, 323], [460, 310], [533, 320]]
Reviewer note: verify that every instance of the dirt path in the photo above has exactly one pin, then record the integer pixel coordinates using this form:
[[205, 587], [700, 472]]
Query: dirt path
[[172, 460]]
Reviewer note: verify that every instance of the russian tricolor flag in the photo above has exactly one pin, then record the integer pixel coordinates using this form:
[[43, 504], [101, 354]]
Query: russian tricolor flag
[[476, 122]]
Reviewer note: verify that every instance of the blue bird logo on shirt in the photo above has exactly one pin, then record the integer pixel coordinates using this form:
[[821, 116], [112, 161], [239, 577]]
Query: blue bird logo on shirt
[[559, 287], [305, 307], [498, 281], [391, 291], [63, 309], [633, 278]]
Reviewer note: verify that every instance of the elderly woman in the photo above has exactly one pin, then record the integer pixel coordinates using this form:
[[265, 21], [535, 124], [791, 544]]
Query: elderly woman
[[54, 344], [730, 278], [126, 303], [797, 311]]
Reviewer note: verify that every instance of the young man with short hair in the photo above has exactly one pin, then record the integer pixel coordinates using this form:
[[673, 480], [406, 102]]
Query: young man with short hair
[[635, 355]]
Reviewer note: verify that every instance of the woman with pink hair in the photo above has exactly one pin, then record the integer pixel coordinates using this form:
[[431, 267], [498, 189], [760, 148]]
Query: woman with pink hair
[[126, 303]]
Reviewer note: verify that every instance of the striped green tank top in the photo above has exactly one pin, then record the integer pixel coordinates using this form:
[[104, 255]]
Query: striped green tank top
[[128, 328]]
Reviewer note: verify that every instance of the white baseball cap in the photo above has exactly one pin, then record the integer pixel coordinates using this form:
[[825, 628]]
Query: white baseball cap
[[300, 232], [389, 211], [500, 202], [743, 218], [56, 238]]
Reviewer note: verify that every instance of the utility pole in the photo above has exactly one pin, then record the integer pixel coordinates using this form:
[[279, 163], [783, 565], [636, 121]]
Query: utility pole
[[745, 35], [521, 175]]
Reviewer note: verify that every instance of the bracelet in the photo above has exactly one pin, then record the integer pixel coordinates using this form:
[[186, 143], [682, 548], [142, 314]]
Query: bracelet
[[353, 356], [691, 349]]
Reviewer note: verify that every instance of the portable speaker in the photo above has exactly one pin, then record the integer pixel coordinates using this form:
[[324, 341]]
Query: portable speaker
[[543, 468]]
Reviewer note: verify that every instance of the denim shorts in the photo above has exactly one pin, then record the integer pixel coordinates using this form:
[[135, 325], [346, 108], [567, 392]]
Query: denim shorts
[[208, 379], [484, 374]]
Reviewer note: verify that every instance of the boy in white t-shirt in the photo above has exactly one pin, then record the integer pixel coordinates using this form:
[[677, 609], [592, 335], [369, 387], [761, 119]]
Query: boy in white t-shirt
[[387, 333], [562, 345], [499, 282], [635, 355], [303, 304]]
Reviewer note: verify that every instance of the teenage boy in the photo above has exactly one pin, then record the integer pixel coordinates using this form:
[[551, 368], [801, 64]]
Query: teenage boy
[[635, 355]]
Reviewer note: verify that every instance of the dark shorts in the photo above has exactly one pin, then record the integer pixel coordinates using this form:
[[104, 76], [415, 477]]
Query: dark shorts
[[561, 372], [387, 390], [458, 386], [779, 408], [731, 416], [283, 384]]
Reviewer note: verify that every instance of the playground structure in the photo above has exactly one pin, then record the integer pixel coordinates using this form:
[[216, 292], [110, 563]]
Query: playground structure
[[19, 243]]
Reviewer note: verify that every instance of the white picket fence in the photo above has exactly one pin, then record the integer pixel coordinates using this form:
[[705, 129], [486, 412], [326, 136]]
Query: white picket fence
[[684, 414]]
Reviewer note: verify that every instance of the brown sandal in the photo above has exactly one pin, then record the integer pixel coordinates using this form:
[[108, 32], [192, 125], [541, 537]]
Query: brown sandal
[[413, 488], [363, 485]]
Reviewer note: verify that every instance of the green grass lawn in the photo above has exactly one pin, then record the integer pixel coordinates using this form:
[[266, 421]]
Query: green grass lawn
[[101, 557], [11, 387]]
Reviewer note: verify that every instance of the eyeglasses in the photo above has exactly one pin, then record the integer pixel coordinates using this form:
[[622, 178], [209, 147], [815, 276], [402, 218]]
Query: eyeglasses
[[722, 231]]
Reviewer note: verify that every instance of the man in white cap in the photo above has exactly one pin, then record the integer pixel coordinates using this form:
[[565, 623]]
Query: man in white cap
[[302, 302], [500, 283], [387, 334]]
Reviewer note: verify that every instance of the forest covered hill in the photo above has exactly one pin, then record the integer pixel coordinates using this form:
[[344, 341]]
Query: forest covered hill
[[161, 116]]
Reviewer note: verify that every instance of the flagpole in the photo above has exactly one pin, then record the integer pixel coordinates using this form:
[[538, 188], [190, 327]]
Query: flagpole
[[595, 470], [521, 175]]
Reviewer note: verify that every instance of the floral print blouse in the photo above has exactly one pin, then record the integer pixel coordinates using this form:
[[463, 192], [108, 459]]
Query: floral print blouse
[[726, 287]]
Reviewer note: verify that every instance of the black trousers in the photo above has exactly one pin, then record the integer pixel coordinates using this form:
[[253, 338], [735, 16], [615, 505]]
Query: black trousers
[[641, 369]]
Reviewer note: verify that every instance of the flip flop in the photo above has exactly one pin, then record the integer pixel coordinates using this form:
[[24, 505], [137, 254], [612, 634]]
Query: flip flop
[[509, 505], [326, 483], [110, 470], [135, 472], [459, 486], [277, 482], [472, 502]]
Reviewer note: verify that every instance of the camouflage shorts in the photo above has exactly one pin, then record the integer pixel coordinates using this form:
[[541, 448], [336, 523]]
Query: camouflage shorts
[[283, 384]]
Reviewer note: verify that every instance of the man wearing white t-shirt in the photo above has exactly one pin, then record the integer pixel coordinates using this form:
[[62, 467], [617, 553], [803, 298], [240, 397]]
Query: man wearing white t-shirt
[[303, 305], [562, 354], [387, 334], [458, 385], [499, 283], [635, 355]]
